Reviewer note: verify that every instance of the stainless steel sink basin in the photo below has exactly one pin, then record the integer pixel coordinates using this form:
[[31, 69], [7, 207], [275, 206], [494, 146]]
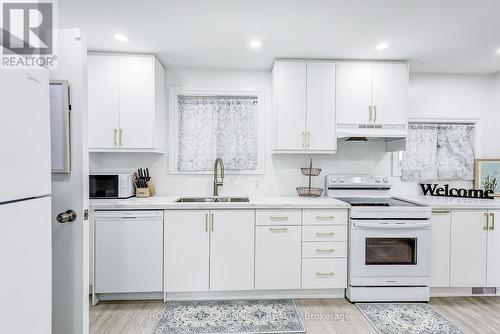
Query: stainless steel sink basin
[[212, 199]]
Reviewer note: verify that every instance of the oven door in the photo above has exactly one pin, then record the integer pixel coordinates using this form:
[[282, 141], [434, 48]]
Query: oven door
[[389, 252]]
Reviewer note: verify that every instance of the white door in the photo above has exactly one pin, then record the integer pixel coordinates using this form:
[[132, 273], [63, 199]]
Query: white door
[[290, 105], [137, 102], [354, 93], [232, 250], [70, 241], [440, 248], [103, 90], [186, 250], [390, 82], [493, 277], [321, 106], [468, 249], [277, 257]]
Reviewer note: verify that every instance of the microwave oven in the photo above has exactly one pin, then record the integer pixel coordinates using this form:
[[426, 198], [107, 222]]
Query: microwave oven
[[111, 186]]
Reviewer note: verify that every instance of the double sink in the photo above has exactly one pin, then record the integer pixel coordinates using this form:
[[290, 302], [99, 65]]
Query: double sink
[[212, 200]]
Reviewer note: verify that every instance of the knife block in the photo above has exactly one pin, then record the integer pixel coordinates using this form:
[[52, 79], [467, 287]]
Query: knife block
[[151, 188], [142, 192]]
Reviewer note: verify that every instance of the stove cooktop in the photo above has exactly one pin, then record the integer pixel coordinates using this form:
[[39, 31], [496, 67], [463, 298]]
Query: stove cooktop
[[377, 202]]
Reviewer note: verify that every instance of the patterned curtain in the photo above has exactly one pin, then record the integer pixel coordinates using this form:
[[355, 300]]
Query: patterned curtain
[[438, 152], [212, 127]]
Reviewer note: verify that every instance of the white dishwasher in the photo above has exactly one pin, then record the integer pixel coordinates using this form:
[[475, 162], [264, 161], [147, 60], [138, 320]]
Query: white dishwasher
[[128, 251]]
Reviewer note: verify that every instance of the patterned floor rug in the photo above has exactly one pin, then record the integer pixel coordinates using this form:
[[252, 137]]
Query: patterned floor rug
[[230, 316], [406, 318]]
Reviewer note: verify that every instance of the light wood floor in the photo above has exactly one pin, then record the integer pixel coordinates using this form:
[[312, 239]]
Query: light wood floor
[[475, 315]]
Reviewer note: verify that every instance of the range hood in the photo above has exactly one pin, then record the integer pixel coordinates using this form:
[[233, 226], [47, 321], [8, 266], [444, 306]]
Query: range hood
[[393, 135]]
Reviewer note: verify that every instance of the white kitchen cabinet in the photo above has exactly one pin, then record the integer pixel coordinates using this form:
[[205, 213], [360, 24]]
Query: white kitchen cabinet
[[232, 250], [126, 103], [468, 249], [372, 93], [493, 250], [128, 251], [440, 248], [304, 106], [186, 250], [277, 257]]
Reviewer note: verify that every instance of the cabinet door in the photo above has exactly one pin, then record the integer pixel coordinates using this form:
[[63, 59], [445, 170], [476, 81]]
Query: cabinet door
[[390, 83], [354, 92], [128, 255], [468, 249], [321, 106], [277, 257], [290, 81], [493, 279], [137, 117], [440, 248], [232, 250], [186, 251], [103, 101]]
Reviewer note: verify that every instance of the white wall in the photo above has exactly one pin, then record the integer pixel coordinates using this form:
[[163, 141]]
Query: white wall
[[430, 96]]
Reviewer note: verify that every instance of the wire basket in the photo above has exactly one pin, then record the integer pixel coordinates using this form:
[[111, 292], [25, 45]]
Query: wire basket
[[309, 191], [311, 171]]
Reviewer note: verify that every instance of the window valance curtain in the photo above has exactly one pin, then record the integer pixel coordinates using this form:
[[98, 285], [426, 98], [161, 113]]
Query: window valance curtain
[[438, 152], [212, 127]]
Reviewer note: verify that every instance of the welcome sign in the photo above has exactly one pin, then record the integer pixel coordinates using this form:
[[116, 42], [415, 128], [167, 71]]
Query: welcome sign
[[446, 191]]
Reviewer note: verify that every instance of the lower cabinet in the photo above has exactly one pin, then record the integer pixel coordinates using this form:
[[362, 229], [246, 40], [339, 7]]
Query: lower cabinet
[[324, 273], [440, 248], [209, 250], [493, 250], [277, 257]]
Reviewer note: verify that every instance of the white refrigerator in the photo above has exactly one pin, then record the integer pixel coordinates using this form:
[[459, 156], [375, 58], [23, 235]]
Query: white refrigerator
[[25, 202]]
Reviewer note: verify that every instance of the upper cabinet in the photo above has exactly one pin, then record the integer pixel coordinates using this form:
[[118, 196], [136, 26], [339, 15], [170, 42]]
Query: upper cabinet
[[304, 106], [372, 94], [126, 108]]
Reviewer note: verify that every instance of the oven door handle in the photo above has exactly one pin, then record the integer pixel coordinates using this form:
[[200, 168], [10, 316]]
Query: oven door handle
[[399, 226]]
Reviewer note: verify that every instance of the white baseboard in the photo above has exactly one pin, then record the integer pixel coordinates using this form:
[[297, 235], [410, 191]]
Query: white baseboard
[[130, 296], [458, 292]]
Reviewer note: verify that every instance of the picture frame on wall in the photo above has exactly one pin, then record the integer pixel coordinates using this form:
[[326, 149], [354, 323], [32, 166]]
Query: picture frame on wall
[[487, 175]]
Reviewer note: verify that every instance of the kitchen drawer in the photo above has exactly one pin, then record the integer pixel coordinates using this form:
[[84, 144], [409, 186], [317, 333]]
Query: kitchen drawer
[[278, 217], [324, 233], [324, 273], [324, 249], [325, 217]]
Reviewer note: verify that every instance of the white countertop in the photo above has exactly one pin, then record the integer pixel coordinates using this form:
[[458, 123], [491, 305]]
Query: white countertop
[[267, 202], [454, 202]]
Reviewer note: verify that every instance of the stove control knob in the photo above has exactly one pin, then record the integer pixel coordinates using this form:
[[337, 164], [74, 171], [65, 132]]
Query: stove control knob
[[386, 180], [341, 180], [333, 180], [378, 180]]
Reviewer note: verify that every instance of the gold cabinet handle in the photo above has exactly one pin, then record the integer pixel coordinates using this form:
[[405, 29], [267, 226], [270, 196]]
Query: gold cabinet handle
[[369, 113], [114, 136], [326, 234], [278, 218], [441, 212], [275, 229], [303, 139], [308, 139], [323, 218], [486, 227], [331, 273], [492, 216], [374, 113], [121, 137], [211, 222], [331, 250], [206, 222]]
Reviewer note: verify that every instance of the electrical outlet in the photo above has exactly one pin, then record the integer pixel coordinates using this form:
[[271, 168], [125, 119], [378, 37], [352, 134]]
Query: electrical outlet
[[257, 184]]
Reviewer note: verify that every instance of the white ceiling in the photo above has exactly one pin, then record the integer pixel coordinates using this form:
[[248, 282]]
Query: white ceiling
[[446, 36]]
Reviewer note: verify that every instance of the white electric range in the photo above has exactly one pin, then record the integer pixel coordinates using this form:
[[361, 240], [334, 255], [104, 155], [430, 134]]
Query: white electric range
[[389, 240]]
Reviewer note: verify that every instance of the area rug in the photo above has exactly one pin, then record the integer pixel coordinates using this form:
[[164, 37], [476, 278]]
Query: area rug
[[229, 316], [406, 318]]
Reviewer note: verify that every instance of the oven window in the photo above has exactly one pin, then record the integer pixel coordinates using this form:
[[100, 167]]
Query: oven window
[[391, 251]]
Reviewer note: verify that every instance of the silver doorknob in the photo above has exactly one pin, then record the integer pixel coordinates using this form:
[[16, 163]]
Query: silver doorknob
[[66, 217]]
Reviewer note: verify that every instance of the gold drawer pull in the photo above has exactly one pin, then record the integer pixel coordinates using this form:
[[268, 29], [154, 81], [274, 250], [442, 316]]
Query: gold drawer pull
[[492, 216], [331, 273], [325, 217], [325, 234], [282, 229], [486, 227], [441, 212], [331, 250], [279, 219]]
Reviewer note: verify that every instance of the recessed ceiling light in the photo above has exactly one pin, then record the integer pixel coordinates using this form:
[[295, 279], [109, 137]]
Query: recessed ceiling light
[[382, 46], [121, 38], [255, 44]]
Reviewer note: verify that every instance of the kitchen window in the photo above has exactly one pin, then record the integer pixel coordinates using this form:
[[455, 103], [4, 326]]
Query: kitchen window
[[209, 126]]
